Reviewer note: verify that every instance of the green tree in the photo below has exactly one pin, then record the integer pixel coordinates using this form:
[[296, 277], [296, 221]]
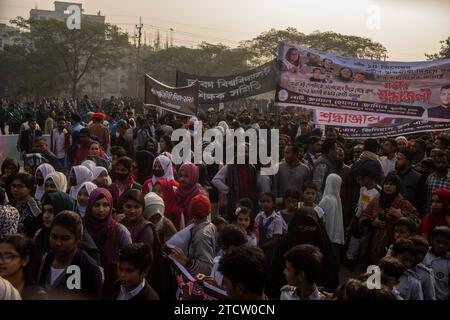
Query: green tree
[[73, 53], [264, 47], [444, 52], [207, 59]]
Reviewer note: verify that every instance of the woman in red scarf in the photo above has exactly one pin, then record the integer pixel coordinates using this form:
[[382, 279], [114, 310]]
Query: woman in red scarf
[[109, 235], [173, 212], [440, 202], [189, 188]]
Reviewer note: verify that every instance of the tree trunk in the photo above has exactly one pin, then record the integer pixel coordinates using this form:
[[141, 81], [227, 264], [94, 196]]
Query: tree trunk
[[74, 89]]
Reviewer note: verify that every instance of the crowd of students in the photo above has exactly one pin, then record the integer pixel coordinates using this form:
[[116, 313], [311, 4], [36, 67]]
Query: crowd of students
[[105, 196]]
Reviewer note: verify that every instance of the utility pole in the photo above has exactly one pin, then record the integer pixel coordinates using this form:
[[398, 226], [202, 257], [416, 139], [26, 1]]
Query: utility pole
[[139, 27]]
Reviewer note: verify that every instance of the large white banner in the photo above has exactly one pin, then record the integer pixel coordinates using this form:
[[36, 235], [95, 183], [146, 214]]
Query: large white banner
[[326, 82]]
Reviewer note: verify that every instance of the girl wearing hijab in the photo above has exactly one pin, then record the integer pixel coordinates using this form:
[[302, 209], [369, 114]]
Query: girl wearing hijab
[[134, 218], [440, 202], [41, 173], [173, 212], [55, 181], [83, 193], [101, 177], [379, 218], [108, 235], [89, 164], [52, 204], [154, 212], [332, 207], [78, 175], [162, 168], [305, 228], [189, 187]]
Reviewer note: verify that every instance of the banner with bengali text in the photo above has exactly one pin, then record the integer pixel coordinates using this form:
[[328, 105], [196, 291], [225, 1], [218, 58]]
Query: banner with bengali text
[[214, 90], [316, 80], [397, 128], [178, 100]]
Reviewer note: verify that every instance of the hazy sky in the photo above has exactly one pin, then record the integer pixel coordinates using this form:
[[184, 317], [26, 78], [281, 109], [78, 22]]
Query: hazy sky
[[407, 28]]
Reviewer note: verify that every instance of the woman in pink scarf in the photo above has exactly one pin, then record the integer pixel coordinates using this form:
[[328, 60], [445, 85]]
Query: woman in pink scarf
[[189, 188]]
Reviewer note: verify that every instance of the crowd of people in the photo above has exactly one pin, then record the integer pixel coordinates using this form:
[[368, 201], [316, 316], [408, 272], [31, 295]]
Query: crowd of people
[[103, 194]]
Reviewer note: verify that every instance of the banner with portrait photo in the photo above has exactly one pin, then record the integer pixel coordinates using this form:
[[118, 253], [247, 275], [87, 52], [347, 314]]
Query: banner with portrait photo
[[316, 80], [178, 100], [213, 90]]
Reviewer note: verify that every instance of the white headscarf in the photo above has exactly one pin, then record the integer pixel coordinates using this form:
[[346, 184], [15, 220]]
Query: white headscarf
[[97, 171], [166, 164], [45, 169], [59, 179], [82, 174], [89, 188], [332, 206], [89, 164], [154, 204]]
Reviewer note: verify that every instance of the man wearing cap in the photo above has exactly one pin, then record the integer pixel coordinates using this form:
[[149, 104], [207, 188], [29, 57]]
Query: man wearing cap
[[99, 131], [202, 241]]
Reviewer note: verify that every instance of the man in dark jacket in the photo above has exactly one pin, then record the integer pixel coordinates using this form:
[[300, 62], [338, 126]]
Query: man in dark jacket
[[27, 137], [413, 185]]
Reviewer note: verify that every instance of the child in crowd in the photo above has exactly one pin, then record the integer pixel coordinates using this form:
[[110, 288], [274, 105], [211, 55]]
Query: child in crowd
[[309, 190], [303, 265], [244, 219], [369, 191], [403, 229], [438, 259], [391, 272], [270, 225], [134, 264], [408, 287], [230, 238], [423, 273], [291, 201]]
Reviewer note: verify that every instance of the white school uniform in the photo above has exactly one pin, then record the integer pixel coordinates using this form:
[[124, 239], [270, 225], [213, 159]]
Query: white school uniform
[[275, 227], [441, 270]]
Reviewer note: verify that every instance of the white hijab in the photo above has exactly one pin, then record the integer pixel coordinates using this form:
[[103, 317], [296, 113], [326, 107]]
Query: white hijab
[[89, 164], [89, 188], [45, 169], [59, 179], [166, 164], [332, 206], [82, 174], [98, 171]]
